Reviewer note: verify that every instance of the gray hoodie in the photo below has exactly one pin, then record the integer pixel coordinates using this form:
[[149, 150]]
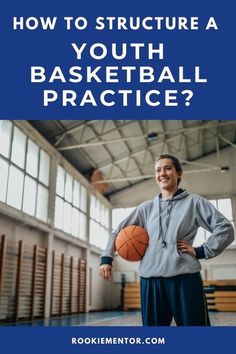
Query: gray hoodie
[[183, 213]]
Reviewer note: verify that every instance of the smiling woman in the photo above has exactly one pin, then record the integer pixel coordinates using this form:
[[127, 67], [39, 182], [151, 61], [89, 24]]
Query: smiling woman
[[171, 284], [168, 175]]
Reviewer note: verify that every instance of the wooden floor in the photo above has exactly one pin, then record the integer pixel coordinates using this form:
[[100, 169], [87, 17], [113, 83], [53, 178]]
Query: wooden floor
[[119, 318]]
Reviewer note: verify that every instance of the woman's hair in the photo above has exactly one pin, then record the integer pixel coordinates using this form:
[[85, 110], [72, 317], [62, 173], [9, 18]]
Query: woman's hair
[[175, 161]]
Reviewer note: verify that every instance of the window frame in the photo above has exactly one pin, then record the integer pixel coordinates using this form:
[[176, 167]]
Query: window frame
[[26, 174], [74, 203]]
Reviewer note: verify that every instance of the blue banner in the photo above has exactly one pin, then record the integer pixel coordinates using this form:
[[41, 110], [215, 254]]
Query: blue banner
[[105, 340], [117, 60]]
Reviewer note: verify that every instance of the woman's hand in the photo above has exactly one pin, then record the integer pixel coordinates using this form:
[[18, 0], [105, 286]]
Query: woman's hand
[[106, 271], [185, 247]]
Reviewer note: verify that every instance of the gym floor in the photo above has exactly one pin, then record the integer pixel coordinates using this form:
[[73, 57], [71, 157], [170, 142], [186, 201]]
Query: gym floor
[[118, 318]]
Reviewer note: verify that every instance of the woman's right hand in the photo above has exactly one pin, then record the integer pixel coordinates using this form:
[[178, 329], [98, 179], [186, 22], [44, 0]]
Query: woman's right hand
[[106, 271]]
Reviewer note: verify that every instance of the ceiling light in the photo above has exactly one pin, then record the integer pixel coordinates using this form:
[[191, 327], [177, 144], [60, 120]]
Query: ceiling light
[[224, 169], [152, 136]]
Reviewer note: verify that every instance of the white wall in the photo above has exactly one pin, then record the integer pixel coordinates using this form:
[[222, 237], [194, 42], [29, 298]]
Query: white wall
[[99, 290], [14, 230]]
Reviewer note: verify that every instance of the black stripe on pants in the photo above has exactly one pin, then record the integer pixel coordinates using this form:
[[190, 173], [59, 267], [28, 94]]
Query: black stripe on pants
[[180, 297]]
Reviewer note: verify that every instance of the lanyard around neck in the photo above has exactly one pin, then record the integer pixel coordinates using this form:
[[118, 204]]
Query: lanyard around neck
[[162, 235]]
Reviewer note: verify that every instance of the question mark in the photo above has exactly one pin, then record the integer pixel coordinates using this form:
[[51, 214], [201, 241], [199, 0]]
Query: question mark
[[189, 94]]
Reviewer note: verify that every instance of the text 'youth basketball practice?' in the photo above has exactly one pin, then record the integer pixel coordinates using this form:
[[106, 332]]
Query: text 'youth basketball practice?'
[[113, 72]]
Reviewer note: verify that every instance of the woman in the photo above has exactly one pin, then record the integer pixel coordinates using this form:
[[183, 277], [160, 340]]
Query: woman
[[171, 284]]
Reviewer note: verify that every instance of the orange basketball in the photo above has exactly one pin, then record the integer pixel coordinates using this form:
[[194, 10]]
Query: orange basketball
[[132, 242]]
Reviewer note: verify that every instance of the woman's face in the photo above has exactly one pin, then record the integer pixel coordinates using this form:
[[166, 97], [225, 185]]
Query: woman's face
[[166, 175]]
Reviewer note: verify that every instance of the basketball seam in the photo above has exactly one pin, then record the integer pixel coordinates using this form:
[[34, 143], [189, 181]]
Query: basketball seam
[[132, 232], [140, 255], [137, 250], [130, 239], [127, 235], [133, 236]]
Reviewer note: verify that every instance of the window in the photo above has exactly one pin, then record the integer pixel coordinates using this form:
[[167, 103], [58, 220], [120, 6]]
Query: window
[[68, 188], [60, 186], [119, 214], [32, 159], [224, 206], [75, 222], [99, 223], [67, 226], [83, 199], [59, 212], [18, 148], [71, 204], [4, 176], [42, 203], [25, 171], [82, 226], [5, 137], [15, 190], [29, 200], [76, 194], [44, 168]]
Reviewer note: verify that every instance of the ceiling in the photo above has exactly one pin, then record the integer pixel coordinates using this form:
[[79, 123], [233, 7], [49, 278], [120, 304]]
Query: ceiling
[[124, 151]]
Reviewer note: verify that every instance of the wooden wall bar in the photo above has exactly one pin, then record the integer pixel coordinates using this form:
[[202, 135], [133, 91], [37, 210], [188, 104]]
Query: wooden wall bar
[[23, 272], [22, 281], [2, 259], [68, 285], [82, 285], [221, 295], [33, 282]]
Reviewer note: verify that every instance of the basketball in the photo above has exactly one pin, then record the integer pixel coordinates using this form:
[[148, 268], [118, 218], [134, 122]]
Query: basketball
[[132, 242]]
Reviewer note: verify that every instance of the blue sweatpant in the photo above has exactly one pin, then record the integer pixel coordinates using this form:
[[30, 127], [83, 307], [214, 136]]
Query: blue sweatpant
[[180, 297]]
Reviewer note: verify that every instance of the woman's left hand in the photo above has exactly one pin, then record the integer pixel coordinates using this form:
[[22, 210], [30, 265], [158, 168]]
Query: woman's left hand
[[185, 247]]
